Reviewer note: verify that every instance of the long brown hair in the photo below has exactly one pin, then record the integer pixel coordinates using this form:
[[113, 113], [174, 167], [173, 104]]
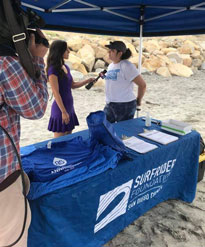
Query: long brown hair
[[55, 56]]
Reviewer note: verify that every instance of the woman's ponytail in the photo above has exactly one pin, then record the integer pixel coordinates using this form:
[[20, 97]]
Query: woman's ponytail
[[127, 54]]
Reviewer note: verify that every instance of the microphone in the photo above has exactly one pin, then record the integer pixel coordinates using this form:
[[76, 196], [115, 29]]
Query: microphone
[[101, 75]]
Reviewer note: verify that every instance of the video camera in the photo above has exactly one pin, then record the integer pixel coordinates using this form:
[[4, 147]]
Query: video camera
[[16, 25], [33, 21]]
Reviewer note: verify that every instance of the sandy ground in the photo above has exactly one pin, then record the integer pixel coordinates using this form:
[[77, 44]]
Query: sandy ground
[[172, 223]]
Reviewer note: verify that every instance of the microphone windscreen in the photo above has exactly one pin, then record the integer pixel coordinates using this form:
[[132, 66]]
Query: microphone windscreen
[[102, 74]]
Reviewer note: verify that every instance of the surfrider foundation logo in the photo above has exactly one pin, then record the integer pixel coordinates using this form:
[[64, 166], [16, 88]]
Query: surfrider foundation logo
[[119, 209], [143, 188]]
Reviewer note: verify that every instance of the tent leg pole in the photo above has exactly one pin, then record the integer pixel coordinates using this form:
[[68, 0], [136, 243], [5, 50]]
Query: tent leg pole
[[141, 23], [140, 62], [140, 50]]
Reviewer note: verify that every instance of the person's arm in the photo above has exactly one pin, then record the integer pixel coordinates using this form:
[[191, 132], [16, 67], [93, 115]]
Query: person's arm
[[141, 88], [80, 84], [53, 80]]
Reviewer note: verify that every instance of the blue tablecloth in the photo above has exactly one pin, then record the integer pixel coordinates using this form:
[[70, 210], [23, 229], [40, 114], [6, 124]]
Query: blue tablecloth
[[93, 211]]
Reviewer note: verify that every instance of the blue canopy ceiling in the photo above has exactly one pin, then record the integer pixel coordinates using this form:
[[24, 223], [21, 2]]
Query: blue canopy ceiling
[[122, 17]]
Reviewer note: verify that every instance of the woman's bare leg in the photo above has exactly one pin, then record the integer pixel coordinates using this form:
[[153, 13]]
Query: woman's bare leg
[[59, 134]]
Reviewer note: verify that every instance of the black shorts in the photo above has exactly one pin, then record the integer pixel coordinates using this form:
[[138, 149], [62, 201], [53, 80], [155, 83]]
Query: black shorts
[[116, 112]]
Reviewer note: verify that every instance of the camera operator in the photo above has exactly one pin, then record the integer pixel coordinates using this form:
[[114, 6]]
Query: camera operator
[[20, 96]]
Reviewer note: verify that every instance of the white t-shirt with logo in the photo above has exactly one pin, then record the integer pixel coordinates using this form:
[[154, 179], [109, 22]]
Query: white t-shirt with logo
[[119, 85]]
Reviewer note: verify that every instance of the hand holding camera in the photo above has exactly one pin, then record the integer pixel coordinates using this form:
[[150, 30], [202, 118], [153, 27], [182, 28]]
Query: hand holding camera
[[39, 37], [38, 44]]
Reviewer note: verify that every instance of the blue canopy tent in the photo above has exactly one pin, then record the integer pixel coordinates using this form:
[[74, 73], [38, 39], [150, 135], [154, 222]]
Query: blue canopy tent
[[122, 17], [136, 18]]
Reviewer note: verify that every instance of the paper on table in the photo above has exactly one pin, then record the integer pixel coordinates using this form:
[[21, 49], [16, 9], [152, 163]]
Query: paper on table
[[138, 145], [159, 136]]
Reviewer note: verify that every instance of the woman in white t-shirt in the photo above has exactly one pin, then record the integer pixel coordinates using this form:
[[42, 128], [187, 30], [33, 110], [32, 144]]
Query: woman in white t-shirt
[[121, 76]]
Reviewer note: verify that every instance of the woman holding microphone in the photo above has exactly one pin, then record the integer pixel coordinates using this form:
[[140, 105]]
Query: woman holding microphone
[[63, 118]]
